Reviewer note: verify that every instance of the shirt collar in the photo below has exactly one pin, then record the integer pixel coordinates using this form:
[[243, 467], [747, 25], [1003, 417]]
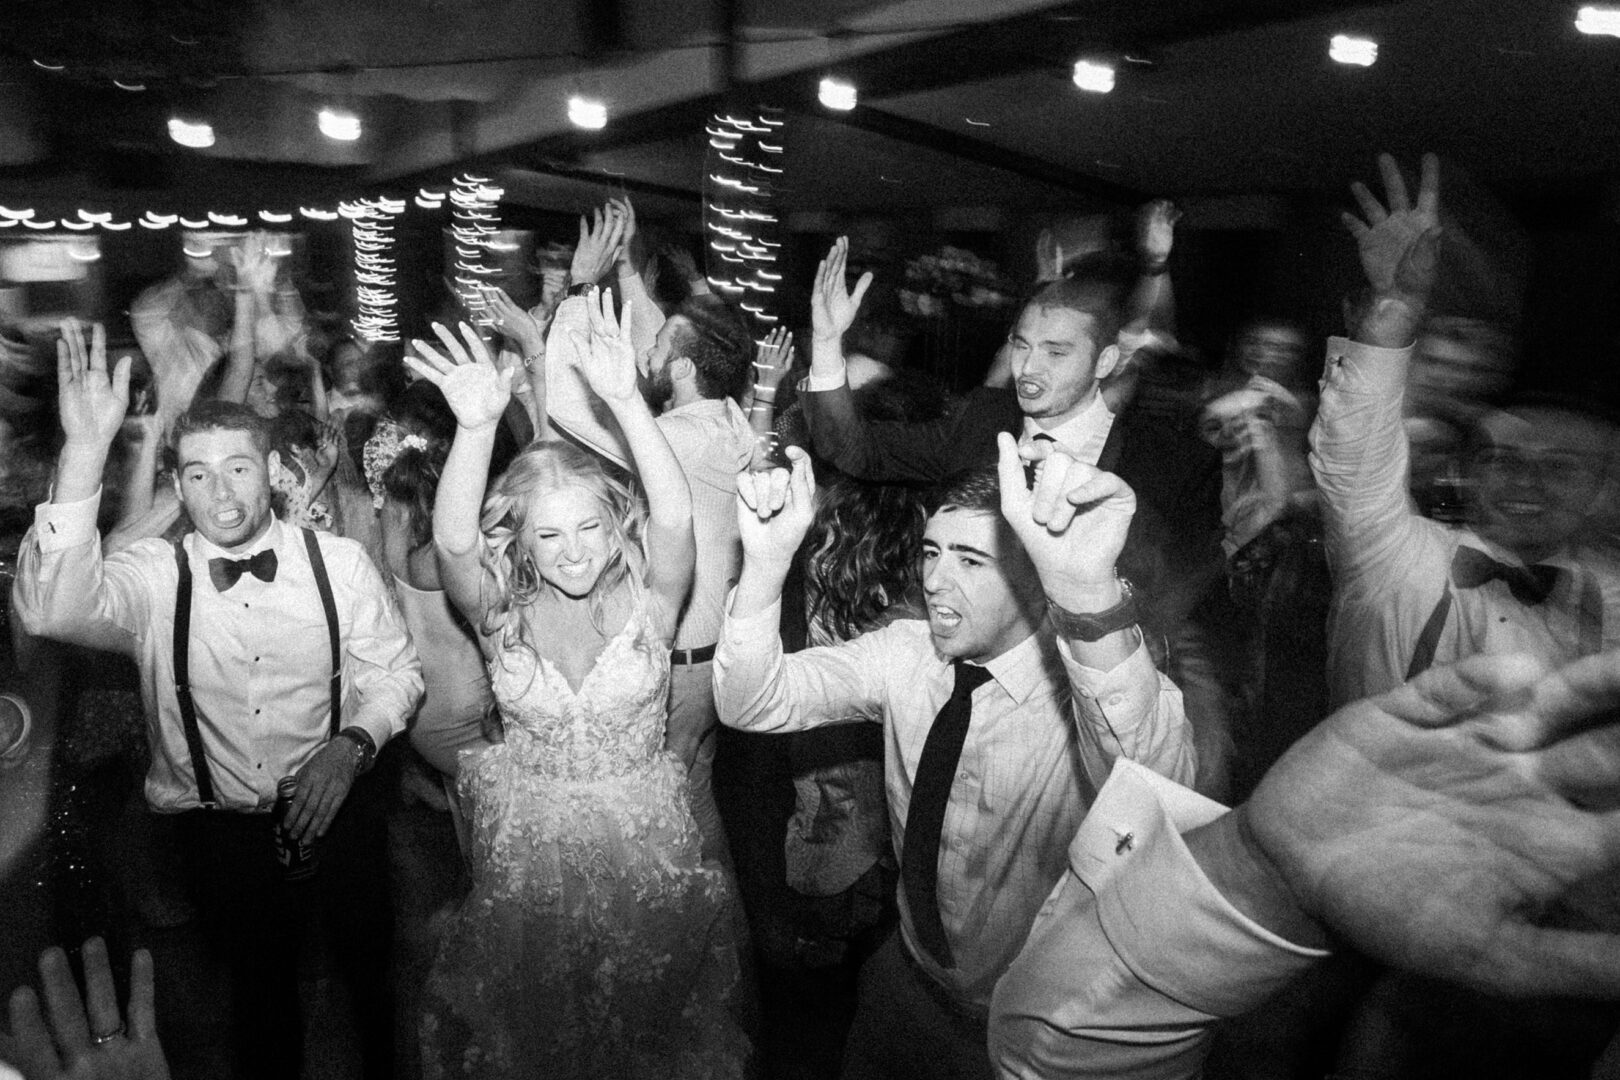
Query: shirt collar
[[1082, 434], [207, 549], [1021, 670]]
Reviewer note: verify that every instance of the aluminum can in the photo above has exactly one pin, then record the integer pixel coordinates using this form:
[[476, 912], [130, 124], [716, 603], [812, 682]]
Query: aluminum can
[[298, 859]]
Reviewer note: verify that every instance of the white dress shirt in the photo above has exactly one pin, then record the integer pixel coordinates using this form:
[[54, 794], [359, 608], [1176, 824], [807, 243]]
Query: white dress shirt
[[1391, 566], [1135, 954], [1082, 436], [1044, 733], [260, 655]]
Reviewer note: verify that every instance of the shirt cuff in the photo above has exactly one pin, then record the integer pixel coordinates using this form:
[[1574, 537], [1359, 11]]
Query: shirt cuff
[[1114, 688], [1365, 368], [59, 526], [1167, 921], [815, 384], [763, 625]]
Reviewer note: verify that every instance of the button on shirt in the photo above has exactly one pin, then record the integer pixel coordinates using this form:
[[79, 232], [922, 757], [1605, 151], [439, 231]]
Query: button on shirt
[[1391, 566], [1044, 734], [259, 659]]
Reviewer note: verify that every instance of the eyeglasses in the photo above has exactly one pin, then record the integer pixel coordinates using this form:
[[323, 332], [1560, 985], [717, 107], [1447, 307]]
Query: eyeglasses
[[1549, 467]]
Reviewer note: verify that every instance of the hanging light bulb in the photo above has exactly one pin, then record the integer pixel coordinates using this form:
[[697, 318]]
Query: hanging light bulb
[[837, 94], [585, 113], [338, 124], [198, 136]]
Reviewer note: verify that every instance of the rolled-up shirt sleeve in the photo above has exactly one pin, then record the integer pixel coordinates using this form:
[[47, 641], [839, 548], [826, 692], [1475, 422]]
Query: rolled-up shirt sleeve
[[1131, 711], [382, 672], [759, 688], [1135, 954]]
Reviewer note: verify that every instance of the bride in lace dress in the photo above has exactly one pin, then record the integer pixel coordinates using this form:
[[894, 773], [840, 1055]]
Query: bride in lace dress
[[595, 942]]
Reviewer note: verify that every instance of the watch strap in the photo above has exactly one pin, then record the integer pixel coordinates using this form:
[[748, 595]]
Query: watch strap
[[1094, 626], [368, 749]]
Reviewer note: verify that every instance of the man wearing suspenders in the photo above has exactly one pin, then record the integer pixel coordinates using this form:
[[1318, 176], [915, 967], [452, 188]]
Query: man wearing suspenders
[[266, 652]]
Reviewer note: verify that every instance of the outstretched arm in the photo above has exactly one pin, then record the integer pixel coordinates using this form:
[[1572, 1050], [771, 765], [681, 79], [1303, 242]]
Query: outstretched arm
[[478, 394], [1359, 451], [610, 368], [1072, 524]]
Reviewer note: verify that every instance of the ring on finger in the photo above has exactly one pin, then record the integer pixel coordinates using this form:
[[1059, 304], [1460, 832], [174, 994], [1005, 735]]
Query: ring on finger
[[103, 1040]]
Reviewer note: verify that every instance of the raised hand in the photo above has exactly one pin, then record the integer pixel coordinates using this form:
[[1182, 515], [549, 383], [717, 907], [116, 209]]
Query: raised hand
[[91, 404], [1399, 245], [515, 324], [1072, 524], [775, 509], [475, 389], [1048, 257], [329, 446], [87, 1039], [1431, 825], [773, 359], [1156, 233], [627, 216], [255, 269], [599, 240], [832, 305], [607, 356]]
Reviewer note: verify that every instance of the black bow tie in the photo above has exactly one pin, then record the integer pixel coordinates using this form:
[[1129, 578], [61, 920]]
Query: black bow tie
[[1530, 585], [227, 572]]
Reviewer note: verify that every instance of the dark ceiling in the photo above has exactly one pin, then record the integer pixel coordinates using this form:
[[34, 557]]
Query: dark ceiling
[[963, 105]]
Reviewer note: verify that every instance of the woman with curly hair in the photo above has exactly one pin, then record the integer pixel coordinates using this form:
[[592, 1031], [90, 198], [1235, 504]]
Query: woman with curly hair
[[596, 942]]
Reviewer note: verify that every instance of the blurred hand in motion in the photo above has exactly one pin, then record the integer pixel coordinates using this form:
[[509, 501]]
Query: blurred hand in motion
[[1156, 233], [1399, 244], [519, 327], [608, 357], [598, 246], [1431, 825], [833, 305], [775, 509], [476, 391], [773, 359], [90, 403], [86, 1038]]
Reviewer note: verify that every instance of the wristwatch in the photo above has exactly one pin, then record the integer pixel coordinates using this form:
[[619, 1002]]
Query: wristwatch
[[583, 288], [368, 749], [1095, 626]]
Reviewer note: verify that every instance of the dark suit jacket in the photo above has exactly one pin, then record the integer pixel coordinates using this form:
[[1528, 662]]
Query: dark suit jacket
[[1173, 551]]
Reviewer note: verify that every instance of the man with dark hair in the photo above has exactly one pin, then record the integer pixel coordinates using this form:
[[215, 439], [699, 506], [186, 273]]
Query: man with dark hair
[[695, 364], [1062, 344], [269, 661], [1002, 714]]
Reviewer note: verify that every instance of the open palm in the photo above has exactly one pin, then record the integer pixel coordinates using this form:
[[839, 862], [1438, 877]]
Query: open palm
[[475, 389], [90, 402], [1429, 826], [832, 305]]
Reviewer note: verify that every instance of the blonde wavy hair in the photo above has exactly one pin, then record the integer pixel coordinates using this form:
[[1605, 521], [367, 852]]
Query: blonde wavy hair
[[508, 510]]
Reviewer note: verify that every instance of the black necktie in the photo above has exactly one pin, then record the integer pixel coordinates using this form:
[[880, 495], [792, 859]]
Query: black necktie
[[1530, 585], [227, 572], [919, 863]]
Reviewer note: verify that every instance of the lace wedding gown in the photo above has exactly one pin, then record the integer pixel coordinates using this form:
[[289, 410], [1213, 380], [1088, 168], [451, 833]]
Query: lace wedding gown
[[595, 942]]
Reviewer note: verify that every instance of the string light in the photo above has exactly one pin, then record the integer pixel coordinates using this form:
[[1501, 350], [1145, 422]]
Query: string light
[[739, 213], [473, 225], [274, 218]]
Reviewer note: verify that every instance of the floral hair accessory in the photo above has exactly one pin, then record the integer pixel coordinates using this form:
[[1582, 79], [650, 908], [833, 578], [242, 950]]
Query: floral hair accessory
[[382, 449]]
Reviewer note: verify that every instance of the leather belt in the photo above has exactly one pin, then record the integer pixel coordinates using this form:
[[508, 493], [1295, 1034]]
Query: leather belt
[[692, 656]]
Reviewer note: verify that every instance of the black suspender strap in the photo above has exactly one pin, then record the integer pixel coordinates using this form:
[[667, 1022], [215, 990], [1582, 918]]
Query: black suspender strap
[[182, 650], [1429, 639], [329, 605], [182, 678]]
